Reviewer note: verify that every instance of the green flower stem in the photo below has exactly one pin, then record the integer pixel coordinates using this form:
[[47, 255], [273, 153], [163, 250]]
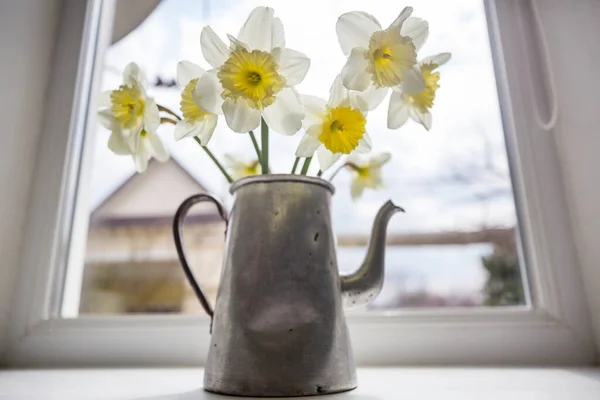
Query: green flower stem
[[169, 111], [255, 143], [264, 138], [212, 157], [165, 120], [210, 154], [305, 166], [295, 165], [339, 169]]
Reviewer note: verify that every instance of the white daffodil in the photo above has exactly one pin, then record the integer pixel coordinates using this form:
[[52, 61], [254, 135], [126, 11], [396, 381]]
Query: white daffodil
[[333, 128], [196, 120], [417, 106], [380, 59], [147, 145], [254, 77], [240, 168], [133, 117], [367, 173]]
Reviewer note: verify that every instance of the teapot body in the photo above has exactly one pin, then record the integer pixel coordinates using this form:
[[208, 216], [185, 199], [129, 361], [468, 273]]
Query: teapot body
[[279, 327]]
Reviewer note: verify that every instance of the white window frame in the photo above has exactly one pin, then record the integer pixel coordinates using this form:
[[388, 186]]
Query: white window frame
[[556, 329]]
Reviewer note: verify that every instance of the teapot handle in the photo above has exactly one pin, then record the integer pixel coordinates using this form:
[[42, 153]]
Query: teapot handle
[[178, 235]]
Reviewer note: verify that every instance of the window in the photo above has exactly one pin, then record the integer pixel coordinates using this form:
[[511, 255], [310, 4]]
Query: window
[[455, 247], [454, 181]]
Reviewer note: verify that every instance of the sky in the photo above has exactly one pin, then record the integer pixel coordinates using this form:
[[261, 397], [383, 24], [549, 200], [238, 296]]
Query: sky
[[440, 177]]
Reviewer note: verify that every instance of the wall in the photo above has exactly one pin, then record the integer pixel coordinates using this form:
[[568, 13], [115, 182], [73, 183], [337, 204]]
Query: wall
[[573, 32], [28, 31]]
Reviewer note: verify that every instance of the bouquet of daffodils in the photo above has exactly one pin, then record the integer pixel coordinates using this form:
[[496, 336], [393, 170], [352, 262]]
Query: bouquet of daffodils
[[252, 84]]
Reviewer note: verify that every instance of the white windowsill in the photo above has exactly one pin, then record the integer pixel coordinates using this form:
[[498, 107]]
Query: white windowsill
[[374, 384]]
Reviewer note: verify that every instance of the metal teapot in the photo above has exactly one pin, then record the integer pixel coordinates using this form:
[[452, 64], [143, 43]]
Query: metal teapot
[[278, 326]]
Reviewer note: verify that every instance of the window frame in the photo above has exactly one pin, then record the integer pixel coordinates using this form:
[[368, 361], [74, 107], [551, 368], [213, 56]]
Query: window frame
[[555, 329]]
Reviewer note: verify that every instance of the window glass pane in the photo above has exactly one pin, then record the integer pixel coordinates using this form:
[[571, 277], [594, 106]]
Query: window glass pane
[[456, 244]]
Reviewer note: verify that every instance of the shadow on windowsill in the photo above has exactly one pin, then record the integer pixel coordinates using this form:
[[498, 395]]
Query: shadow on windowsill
[[201, 394]]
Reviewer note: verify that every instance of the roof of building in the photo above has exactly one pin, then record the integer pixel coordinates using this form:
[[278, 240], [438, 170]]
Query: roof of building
[[152, 198]]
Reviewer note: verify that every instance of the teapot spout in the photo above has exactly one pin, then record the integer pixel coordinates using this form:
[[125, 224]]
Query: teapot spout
[[363, 286]]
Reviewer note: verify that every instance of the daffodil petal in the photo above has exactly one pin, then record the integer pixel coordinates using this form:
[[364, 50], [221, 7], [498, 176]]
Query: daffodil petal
[[277, 34], [293, 65], [286, 113], [213, 48], [232, 161], [207, 128], [141, 163], [103, 99], [356, 189], [141, 156], [157, 148], [262, 30], [369, 99], [315, 109], [377, 179], [397, 111], [380, 159], [117, 144], [151, 115], [235, 43], [354, 72], [438, 59], [314, 131], [133, 75], [338, 94], [106, 119], [424, 119], [326, 158], [427, 120], [413, 81], [186, 71], [417, 30], [403, 16], [134, 140], [207, 93], [354, 29], [308, 145], [185, 129], [240, 116], [365, 144]]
